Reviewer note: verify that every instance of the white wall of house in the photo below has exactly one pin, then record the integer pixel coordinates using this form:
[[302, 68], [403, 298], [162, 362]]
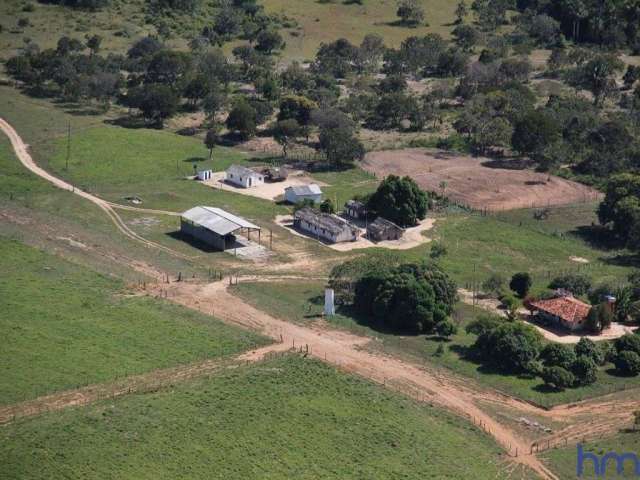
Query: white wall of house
[[244, 181], [291, 197]]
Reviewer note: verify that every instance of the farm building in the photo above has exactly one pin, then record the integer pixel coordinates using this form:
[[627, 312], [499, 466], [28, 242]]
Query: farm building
[[383, 229], [564, 311], [214, 226], [299, 193], [243, 177], [326, 226], [355, 209], [204, 174]]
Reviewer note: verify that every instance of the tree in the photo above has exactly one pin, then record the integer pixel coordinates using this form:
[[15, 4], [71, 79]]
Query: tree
[[466, 36], [510, 346], [461, 12], [620, 209], [445, 329], [410, 12], [370, 53], [93, 43], [558, 355], [399, 200], [340, 146], [628, 342], [534, 132], [585, 371], [438, 249], [285, 133], [598, 76], [628, 363], [588, 348], [211, 140], [169, 68], [327, 206], [520, 283], [494, 285], [296, 107], [495, 132], [157, 102], [269, 40], [599, 318], [558, 377], [214, 101], [242, 118], [576, 283]]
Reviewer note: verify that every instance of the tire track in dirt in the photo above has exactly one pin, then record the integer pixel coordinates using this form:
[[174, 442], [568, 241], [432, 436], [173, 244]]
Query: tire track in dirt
[[346, 351], [146, 382], [21, 151]]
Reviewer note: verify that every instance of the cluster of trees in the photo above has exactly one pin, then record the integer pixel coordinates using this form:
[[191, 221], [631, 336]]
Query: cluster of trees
[[410, 298], [566, 366]]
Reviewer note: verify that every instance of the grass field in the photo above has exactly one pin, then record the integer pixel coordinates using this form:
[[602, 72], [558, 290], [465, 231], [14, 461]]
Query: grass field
[[66, 326], [320, 21], [302, 302], [563, 461], [285, 418]]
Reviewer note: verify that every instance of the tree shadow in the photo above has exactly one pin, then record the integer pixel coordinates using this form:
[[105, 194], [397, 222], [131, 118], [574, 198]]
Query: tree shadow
[[544, 388], [132, 122], [195, 159], [597, 236], [508, 163], [623, 260]]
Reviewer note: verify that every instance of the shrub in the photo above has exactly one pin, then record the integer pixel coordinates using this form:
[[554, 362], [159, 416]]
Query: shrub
[[557, 377], [628, 342], [446, 329], [520, 283], [585, 370], [577, 284], [327, 206], [494, 285], [628, 363], [558, 355], [588, 348]]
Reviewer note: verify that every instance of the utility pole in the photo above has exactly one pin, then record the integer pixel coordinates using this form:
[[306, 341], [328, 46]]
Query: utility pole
[[68, 146]]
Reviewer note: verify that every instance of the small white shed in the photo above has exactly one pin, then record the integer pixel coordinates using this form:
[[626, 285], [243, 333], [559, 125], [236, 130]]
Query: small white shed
[[298, 193], [243, 177]]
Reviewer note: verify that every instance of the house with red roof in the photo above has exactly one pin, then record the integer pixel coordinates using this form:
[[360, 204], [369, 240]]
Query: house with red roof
[[565, 311]]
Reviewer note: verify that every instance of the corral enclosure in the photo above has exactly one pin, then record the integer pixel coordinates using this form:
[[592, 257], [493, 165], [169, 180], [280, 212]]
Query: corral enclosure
[[471, 181]]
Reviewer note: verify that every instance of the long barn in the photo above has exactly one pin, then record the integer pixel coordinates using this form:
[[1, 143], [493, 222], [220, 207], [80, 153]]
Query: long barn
[[215, 227]]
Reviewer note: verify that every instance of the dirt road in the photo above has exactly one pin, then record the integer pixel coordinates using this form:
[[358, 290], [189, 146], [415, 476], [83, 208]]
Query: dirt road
[[21, 150], [346, 351]]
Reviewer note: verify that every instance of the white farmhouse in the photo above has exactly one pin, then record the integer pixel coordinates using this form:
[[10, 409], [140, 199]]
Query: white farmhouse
[[243, 177], [330, 228], [299, 193]]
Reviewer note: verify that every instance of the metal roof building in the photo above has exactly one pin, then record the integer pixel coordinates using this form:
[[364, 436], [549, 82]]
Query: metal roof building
[[298, 193], [214, 226]]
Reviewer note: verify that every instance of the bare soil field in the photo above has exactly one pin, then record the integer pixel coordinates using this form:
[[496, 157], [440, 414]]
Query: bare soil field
[[470, 181]]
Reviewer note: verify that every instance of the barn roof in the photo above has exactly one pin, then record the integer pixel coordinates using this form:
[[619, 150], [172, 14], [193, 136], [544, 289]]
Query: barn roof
[[217, 220], [301, 190], [569, 309], [242, 171], [380, 225]]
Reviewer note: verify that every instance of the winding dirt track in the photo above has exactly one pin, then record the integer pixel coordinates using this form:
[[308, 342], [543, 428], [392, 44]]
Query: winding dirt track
[[21, 150]]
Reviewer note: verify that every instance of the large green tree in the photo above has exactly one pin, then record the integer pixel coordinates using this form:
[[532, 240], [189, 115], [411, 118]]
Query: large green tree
[[400, 200]]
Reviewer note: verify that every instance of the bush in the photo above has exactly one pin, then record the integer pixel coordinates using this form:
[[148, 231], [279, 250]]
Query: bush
[[520, 283], [557, 377], [628, 342], [588, 348], [577, 284], [446, 329], [494, 285], [628, 363], [327, 206], [585, 371], [558, 355]]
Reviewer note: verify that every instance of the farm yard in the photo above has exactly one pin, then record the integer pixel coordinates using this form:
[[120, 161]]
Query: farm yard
[[463, 275], [472, 181]]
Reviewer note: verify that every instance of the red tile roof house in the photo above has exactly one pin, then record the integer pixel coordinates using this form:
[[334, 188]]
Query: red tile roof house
[[565, 311]]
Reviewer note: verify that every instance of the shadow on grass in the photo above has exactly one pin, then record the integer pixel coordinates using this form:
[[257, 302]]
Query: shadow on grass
[[597, 236], [195, 243], [133, 122]]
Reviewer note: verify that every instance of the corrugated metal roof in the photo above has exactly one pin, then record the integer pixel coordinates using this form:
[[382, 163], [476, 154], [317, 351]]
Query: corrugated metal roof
[[217, 220], [311, 189]]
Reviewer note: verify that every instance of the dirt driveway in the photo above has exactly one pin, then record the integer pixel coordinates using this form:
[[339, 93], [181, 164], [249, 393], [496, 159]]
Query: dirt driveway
[[470, 181]]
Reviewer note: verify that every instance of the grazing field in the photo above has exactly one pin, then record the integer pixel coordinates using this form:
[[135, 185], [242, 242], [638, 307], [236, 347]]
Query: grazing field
[[324, 22], [302, 302], [563, 461], [66, 326], [469, 181], [289, 417]]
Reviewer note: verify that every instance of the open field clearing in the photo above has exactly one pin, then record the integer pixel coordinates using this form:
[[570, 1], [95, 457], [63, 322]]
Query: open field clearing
[[469, 181], [67, 326], [327, 21], [287, 417], [302, 303]]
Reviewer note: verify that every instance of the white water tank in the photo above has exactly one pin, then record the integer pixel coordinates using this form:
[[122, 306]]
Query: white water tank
[[329, 306]]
